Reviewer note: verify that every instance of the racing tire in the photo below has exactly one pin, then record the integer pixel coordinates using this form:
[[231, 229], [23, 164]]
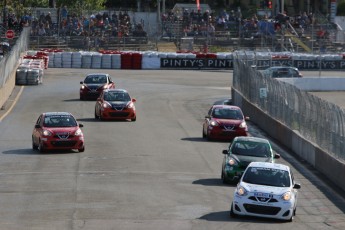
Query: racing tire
[[203, 134], [96, 116], [223, 177], [41, 148], [81, 149], [232, 214], [134, 118], [34, 146]]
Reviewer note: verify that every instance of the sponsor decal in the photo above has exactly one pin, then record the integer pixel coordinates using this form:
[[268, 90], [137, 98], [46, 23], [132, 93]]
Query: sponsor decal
[[196, 63], [211, 63]]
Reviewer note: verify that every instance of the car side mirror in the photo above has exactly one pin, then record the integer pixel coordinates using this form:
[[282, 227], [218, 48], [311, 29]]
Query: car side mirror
[[81, 125], [81, 82], [134, 100], [276, 155], [225, 151], [247, 118], [207, 117], [37, 126], [297, 186]]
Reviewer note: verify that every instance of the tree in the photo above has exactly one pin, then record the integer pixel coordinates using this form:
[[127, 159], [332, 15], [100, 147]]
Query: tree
[[341, 8]]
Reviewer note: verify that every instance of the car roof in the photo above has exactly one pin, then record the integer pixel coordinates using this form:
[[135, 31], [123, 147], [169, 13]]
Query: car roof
[[90, 74], [269, 165], [116, 90], [253, 139], [226, 106], [282, 67], [57, 113]]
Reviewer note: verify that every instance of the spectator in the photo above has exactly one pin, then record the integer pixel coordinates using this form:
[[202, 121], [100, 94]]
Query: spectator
[[64, 12], [48, 18]]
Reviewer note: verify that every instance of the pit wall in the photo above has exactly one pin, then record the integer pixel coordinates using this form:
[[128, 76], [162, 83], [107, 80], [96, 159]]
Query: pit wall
[[331, 167]]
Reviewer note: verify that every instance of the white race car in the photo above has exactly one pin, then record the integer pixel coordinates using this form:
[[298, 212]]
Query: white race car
[[266, 190]]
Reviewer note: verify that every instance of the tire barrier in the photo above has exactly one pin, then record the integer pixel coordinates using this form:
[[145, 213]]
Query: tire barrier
[[107, 59], [31, 69]]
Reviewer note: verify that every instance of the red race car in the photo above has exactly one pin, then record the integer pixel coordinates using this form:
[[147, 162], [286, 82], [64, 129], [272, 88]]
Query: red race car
[[115, 104], [57, 130], [94, 84], [224, 122]]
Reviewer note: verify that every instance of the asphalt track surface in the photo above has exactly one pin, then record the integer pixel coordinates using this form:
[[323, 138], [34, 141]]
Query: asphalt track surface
[[155, 173]]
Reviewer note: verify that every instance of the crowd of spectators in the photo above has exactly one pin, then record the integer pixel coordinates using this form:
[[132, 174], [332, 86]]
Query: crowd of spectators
[[197, 23], [100, 24]]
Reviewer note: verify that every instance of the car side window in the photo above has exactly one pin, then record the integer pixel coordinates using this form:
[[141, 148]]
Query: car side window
[[210, 112], [39, 120]]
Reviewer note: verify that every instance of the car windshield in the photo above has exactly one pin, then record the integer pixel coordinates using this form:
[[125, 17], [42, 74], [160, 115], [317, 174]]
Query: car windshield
[[251, 148], [267, 176], [116, 96], [59, 121], [226, 113], [95, 79]]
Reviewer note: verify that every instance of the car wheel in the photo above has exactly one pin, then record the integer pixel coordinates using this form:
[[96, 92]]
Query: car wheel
[[96, 116], [134, 118], [81, 149], [101, 117], [34, 146], [41, 148], [208, 137], [81, 98], [223, 177], [232, 214], [203, 133]]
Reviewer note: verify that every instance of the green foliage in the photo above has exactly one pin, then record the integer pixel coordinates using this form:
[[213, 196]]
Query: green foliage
[[341, 8], [35, 3]]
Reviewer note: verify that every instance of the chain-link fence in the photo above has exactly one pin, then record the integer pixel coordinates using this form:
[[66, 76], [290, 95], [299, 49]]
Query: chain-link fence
[[9, 62], [320, 122]]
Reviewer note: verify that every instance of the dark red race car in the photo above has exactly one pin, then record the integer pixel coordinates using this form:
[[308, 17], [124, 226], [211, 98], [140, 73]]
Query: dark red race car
[[224, 122], [59, 131], [94, 84], [115, 104]]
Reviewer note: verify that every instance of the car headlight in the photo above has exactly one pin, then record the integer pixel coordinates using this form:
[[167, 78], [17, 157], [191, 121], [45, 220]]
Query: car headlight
[[214, 123], [46, 133], [78, 132], [82, 87], [130, 105], [106, 105], [286, 196], [232, 161], [243, 125], [241, 191]]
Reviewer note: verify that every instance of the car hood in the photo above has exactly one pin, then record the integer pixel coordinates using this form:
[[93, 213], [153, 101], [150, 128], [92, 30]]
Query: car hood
[[118, 105], [228, 121], [246, 160], [265, 188], [93, 86], [62, 130]]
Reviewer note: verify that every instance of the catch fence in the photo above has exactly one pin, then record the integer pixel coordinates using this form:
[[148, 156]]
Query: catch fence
[[318, 121], [9, 62]]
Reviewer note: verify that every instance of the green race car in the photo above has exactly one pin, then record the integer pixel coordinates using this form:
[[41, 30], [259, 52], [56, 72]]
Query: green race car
[[242, 151]]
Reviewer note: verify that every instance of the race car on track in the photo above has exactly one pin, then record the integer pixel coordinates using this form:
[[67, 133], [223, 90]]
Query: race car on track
[[266, 190], [115, 104], [241, 152], [224, 122], [57, 131], [94, 84]]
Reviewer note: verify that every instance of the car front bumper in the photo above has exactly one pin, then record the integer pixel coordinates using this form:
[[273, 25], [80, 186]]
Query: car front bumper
[[283, 210], [112, 114], [59, 144]]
